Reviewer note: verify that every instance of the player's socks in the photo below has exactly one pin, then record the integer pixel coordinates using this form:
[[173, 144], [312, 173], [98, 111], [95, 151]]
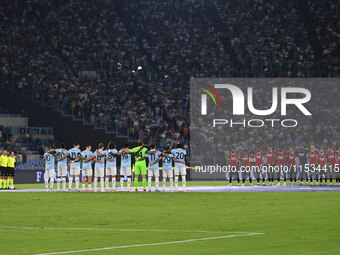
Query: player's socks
[[0, 183], [157, 182], [83, 186], [184, 181], [144, 183], [70, 183], [136, 183], [12, 182], [171, 183], [149, 182], [77, 183], [102, 184], [51, 183], [8, 183], [58, 183], [176, 182], [64, 183], [114, 183], [122, 183], [46, 184], [164, 183], [95, 184], [128, 183], [107, 183]]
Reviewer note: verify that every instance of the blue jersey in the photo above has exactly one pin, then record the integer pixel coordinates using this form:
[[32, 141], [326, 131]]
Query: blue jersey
[[49, 160], [179, 154], [167, 162], [62, 154], [109, 156], [87, 154], [125, 159], [98, 164], [152, 158], [74, 155]]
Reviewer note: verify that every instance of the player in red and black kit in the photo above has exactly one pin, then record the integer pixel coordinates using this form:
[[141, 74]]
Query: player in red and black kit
[[281, 156], [259, 156], [331, 156], [245, 157], [232, 161], [292, 155], [338, 166], [270, 156], [323, 165], [313, 163]]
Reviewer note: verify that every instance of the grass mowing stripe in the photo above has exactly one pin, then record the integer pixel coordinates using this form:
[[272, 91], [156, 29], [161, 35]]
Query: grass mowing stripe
[[149, 244], [127, 230]]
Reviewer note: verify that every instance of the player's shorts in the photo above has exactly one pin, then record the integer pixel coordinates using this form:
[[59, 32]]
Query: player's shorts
[[74, 170], [180, 170], [168, 173], [140, 168], [49, 173], [99, 172], [87, 172], [111, 170], [3, 171], [10, 171], [153, 172], [62, 171], [126, 170]]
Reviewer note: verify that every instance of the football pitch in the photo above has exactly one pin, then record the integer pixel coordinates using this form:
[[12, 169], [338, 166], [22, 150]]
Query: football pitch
[[169, 223]]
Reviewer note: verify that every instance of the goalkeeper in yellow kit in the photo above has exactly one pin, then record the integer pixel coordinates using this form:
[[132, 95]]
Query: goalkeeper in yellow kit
[[139, 153]]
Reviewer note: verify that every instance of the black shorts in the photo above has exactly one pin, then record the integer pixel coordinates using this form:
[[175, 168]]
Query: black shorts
[[10, 171], [3, 171]]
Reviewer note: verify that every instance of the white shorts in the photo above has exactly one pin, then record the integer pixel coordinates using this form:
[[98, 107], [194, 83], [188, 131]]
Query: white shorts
[[49, 173], [62, 171], [180, 170], [153, 172], [168, 173], [87, 172], [126, 170], [99, 172], [111, 170], [74, 170]]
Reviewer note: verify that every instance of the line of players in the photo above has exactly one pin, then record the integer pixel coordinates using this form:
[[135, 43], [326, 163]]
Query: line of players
[[105, 166], [313, 164]]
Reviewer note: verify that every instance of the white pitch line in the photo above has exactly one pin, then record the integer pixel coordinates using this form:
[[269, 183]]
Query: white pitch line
[[126, 230], [149, 244]]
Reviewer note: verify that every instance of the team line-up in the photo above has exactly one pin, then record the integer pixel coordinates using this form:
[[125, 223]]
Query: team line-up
[[105, 166]]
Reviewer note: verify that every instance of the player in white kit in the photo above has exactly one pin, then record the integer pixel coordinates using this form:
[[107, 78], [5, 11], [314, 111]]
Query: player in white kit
[[48, 161], [153, 169]]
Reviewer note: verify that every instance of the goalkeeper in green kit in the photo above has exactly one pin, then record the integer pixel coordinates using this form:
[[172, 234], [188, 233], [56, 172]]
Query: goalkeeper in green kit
[[139, 153]]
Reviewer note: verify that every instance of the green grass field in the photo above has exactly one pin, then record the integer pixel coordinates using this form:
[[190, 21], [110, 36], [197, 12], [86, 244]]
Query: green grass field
[[291, 223]]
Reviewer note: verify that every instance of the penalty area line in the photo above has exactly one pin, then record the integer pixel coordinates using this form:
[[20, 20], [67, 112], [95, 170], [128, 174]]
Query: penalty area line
[[125, 230], [150, 244]]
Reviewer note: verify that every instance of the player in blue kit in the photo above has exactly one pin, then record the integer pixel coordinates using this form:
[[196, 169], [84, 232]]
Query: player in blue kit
[[125, 167], [99, 167], [49, 161], [167, 158], [180, 169], [153, 169], [62, 154], [75, 157], [88, 156], [111, 155]]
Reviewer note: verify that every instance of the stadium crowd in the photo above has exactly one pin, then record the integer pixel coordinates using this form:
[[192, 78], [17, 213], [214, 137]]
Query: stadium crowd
[[138, 56]]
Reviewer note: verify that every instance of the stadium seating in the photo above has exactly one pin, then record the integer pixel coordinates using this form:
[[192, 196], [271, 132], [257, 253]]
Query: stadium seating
[[125, 65]]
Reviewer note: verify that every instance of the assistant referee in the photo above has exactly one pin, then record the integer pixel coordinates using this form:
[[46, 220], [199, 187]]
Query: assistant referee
[[3, 169]]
